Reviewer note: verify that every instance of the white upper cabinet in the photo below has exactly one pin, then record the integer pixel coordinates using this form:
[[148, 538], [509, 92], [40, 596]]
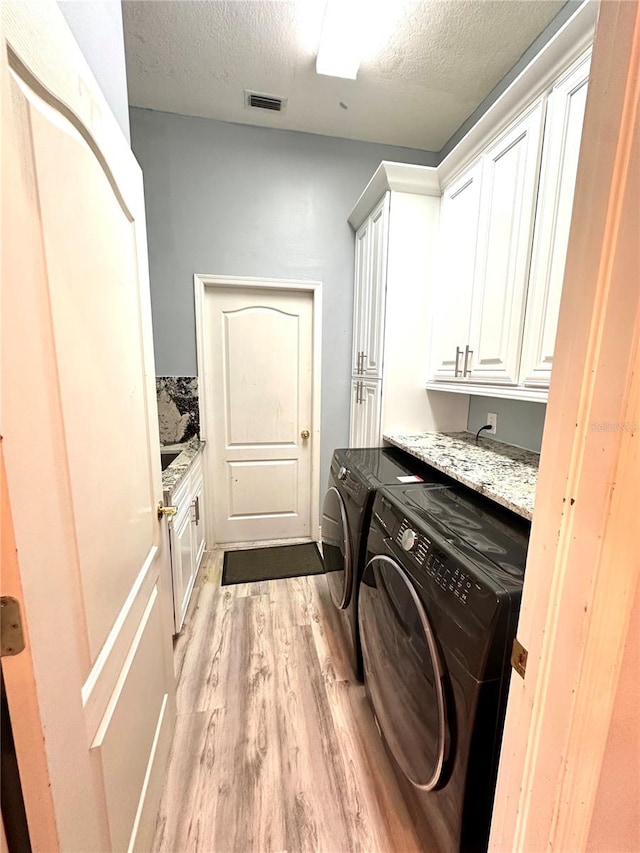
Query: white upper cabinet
[[369, 296], [503, 242], [360, 294], [565, 114], [458, 238], [485, 236], [507, 206]]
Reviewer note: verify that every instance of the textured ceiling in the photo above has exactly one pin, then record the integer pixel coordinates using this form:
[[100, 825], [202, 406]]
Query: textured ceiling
[[420, 79]]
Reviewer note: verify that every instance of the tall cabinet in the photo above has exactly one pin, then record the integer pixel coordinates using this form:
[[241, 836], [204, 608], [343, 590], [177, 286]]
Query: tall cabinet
[[396, 222]]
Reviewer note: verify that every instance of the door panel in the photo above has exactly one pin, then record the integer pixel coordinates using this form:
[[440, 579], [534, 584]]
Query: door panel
[[263, 487], [79, 429], [456, 266], [260, 363], [91, 290], [261, 357], [127, 733], [366, 411], [361, 280], [375, 291], [506, 223], [563, 133]]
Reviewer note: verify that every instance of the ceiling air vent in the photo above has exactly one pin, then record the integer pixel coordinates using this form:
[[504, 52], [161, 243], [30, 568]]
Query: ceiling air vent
[[264, 102]]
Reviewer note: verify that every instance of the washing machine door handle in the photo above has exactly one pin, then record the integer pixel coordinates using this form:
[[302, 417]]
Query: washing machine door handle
[[438, 671]]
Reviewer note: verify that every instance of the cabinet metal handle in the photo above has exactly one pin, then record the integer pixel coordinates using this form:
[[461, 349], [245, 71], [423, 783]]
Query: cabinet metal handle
[[361, 363], [196, 509], [467, 358], [364, 358], [360, 392], [456, 371]]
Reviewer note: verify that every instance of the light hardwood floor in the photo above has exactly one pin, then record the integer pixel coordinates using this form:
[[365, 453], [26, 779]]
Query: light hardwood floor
[[275, 747]]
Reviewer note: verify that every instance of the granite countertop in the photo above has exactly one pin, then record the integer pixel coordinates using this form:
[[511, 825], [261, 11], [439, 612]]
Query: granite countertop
[[504, 473], [172, 475]]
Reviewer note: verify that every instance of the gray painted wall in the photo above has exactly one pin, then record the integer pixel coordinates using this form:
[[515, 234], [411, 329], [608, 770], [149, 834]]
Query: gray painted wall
[[97, 27], [229, 199], [519, 422]]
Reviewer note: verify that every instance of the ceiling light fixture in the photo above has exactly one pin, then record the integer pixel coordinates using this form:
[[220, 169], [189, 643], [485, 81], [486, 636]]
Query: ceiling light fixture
[[340, 50]]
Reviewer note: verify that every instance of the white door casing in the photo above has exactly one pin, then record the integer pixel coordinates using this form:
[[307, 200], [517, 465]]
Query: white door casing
[[258, 360], [79, 429]]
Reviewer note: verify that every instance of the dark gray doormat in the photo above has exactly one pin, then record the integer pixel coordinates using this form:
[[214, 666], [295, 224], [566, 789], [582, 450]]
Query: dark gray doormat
[[268, 564]]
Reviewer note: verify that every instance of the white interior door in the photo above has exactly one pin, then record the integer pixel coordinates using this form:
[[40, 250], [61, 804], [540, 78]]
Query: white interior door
[[92, 695], [260, 364]]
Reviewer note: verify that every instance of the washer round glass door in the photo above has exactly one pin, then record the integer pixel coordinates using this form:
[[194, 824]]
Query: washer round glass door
[[403, 671], [336, 548]]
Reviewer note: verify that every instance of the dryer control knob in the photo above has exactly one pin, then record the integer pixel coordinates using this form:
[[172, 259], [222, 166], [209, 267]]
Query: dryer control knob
[[409, 539], [342, 473]]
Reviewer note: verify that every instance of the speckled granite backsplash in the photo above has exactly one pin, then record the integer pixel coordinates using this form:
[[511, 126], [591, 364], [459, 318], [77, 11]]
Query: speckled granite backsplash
[[178, 411], [504, 473]]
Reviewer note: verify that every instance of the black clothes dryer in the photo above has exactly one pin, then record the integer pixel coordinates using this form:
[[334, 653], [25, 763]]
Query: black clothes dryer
[[438, 605], [355, 476]]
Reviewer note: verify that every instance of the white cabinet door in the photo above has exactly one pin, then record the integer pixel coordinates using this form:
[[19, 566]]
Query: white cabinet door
[[182, 565], [565, 114], [360, 294], [198, 525], [365, 413], [374, 293], [509, 183], [458, 237]]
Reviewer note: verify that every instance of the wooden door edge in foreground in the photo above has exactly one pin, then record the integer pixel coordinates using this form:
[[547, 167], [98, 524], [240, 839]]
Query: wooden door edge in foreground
[[64, 713], [584, 558]]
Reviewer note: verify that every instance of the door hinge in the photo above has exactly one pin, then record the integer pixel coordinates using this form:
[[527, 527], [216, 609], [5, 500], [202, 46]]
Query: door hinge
[[11, 636], [519, 657]]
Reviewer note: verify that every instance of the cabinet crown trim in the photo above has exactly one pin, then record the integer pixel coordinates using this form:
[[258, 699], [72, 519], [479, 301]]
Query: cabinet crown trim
[[399, 177], [566, 47]]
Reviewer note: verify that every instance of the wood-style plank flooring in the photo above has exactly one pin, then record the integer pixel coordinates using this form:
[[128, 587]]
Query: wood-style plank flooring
[[275, 747]]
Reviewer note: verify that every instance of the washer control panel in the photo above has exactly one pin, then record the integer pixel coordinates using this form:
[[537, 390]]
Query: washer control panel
[[446, 574]]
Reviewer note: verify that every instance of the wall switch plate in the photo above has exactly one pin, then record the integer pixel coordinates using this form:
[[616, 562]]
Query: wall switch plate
[[492, 419]]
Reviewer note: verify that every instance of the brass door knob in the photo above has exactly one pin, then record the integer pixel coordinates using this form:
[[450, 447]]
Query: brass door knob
[[305, 434], [168, 511]]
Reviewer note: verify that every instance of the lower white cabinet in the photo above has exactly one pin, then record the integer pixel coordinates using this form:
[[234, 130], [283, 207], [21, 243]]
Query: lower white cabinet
[[365, 413], [186, 539]]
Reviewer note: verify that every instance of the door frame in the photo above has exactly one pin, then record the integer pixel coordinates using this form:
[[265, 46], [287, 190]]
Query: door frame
[[201, 282], [583, 567]]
